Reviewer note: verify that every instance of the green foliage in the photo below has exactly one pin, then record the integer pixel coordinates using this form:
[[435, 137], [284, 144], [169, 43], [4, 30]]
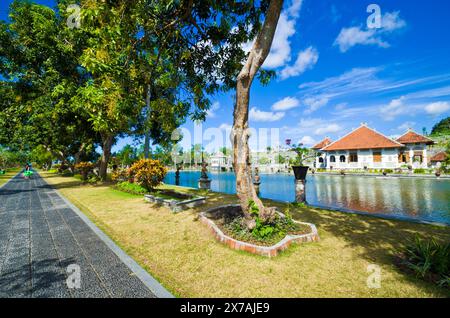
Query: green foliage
[[253, 208], [388, 170], [442, 128], [127, 155], [42, 157], [129, 187], [266, 234], [265, 230], [303, 153], [419, 171], [70, 90], [9, 158], [429, 259], [263, 161]]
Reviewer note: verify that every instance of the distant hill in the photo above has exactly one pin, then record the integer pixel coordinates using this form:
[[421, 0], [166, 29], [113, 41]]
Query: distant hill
[[441, 129]]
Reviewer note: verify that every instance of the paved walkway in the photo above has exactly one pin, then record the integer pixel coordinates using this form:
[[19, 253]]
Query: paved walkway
[[41, 237]]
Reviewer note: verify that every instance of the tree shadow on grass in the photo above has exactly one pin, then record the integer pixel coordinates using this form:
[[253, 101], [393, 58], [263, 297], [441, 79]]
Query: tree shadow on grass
[[60, 185], [378, 240]]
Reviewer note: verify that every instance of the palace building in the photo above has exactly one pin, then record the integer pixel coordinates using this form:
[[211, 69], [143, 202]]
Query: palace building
[[366, 148]]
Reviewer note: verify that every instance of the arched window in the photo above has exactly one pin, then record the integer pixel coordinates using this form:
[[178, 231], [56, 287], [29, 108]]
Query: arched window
[[332, 159], [342, 158], [320, 160]]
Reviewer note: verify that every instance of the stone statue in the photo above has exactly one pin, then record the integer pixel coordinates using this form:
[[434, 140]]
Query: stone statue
[[204, 174], [177, 174], [256, 178], [204, 182]]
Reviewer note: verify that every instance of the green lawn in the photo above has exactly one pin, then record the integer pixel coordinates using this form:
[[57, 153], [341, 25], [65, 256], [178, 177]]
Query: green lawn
[[182, 254], [9, 174]]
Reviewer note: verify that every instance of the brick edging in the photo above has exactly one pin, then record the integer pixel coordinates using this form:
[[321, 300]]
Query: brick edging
[[269, 251]]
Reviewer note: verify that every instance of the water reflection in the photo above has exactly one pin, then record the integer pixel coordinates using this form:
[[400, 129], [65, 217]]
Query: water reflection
[[426, 199]]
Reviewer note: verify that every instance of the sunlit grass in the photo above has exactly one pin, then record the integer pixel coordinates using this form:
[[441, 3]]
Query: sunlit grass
[[8, 175], [183, 255]]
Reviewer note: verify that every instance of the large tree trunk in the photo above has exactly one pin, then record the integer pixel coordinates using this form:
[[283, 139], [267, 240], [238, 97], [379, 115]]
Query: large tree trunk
[[147, 131], [242, 164], [107, 142]]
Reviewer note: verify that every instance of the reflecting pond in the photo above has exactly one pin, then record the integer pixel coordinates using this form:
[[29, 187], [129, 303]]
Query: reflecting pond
[[424, 199]]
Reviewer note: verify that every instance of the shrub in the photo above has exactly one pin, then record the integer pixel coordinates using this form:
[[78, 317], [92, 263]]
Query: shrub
[[93, 179], [85, 168], [429, 259], [388, 170], [148, 173], [419, 170], [120, 175], [66, 173], [129, 187]]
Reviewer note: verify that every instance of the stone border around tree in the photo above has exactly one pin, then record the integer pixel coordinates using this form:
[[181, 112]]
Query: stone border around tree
[[269, 251], [174, 205]]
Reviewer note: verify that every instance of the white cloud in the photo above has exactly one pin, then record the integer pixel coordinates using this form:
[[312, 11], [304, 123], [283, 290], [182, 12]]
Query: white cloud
[[314, 104], [355, 80], [294, 8], [331, 128], [406, 125], [280, 52], [306, 59], [349, 37], [341, 106], [312, 126], [437, 108], [394, 108], [307, 141], [211, 112], [225, 127], [285, 104], [391, 22], [259, 115]]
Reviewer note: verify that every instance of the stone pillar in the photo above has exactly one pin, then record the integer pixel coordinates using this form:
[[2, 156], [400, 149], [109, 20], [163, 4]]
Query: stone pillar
[[204, 184], [300, 191], [425, 158], [411, 156]]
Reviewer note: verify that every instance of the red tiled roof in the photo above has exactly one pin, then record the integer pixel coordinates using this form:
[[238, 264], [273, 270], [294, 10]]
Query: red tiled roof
[[440, 156], [413, 137], [322, 144], [363, 138]]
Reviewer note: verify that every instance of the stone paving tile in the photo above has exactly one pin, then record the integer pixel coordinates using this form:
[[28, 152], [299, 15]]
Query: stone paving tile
[[41, 236]]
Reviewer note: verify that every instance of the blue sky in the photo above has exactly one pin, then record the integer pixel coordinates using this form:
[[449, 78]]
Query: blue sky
[[334, 73]]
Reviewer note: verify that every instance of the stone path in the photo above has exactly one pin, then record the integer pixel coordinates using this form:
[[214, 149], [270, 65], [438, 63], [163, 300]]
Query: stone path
[[43, 243]]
